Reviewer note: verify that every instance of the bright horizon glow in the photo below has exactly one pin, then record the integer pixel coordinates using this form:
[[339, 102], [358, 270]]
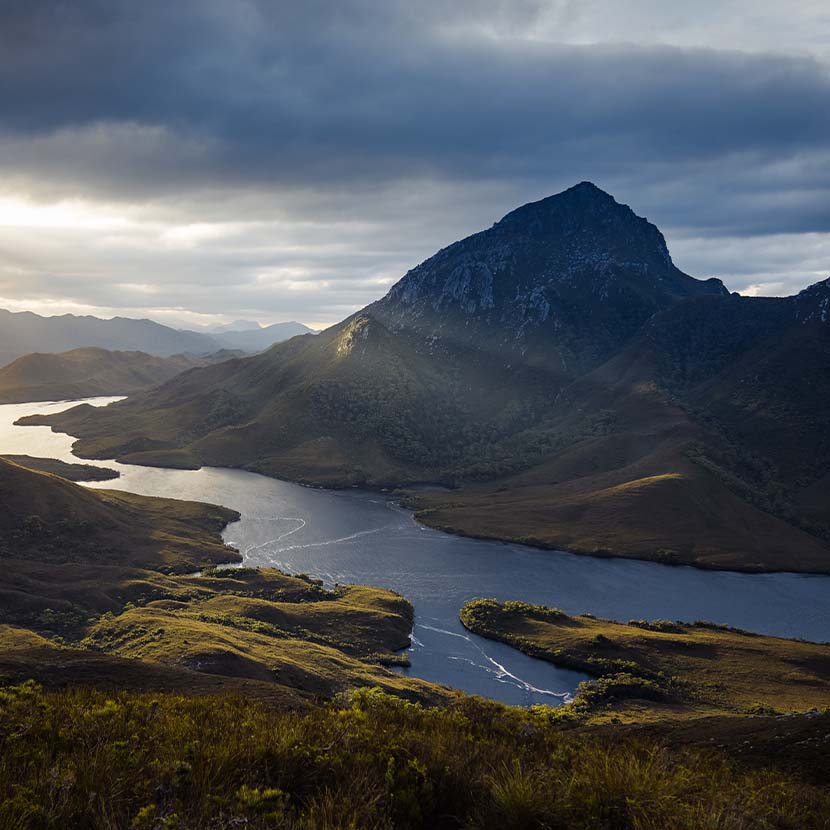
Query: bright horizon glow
[[17, 212]]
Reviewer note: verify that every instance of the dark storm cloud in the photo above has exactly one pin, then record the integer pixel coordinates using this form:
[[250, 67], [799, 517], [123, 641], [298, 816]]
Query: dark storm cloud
[[304, 94], [348, 113]]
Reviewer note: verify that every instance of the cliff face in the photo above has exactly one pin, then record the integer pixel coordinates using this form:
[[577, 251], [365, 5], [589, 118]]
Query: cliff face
[[576, 274]]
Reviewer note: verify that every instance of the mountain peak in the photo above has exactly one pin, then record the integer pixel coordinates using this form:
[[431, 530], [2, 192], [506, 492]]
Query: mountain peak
[[579, 207], [584, 191], [576, 271]]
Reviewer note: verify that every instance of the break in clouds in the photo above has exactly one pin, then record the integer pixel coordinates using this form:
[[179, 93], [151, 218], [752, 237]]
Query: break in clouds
[[201, 161]]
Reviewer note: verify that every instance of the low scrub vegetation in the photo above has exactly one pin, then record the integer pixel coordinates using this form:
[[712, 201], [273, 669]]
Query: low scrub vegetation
[[89, 759], [665, 668]]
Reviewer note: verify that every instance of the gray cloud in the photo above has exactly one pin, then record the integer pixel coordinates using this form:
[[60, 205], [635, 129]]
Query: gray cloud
[[287, 159]]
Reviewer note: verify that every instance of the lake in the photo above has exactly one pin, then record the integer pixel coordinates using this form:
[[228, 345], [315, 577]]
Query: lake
[[361, 537]]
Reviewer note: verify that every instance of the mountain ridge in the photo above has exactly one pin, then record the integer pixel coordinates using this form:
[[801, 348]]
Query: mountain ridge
[[620, 421], [25, 332]]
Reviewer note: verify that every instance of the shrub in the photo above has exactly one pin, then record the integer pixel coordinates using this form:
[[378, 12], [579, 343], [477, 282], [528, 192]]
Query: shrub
[[86, 759]]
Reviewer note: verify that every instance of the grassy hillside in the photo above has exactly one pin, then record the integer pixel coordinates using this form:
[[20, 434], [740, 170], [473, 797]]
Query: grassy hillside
[[652, 670], [355, 404], [277, 636], [90, 578], [53, 521], [85, 759], [662, 506], [87, 373]]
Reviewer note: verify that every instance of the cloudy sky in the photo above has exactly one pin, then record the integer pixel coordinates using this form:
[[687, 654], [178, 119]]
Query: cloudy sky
[[205, 160]]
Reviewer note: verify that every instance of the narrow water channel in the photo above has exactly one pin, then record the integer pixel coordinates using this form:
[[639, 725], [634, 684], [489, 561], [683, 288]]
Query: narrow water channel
[[360, 537]]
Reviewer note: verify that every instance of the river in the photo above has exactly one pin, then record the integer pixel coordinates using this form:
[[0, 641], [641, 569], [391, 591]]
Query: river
[[361, 537]]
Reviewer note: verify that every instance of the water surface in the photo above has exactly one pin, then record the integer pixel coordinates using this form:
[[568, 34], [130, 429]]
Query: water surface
[[360, 537]]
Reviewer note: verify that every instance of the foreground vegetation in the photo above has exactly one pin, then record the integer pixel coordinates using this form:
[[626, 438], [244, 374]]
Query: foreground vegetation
[[646, 670], [86, 759], [263, 700]]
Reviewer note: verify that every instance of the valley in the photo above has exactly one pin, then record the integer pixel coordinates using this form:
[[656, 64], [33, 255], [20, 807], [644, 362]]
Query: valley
[[553, 383], [414, 416], [243, 692], [98, 583], [629, 463], [349, 536], [572, 386]]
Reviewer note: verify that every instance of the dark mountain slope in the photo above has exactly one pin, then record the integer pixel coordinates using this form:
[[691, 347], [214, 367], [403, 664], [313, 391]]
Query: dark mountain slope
[[354, 404], [770, 401], [572, 276], [628, 408], [714, 451], [85, 373]]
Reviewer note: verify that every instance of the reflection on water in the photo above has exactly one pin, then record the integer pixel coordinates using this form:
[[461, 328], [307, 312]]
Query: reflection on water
[[353, 536]]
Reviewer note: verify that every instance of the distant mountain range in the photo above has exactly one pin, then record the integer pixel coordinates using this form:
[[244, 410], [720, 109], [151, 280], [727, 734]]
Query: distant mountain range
[[577, 389], [256, 338], [24, 333], [236, 325]]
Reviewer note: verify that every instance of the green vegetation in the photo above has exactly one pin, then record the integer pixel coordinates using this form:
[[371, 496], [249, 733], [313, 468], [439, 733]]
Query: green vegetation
[[93, 760], [263, 700], [69, 554], [269, 627], [258, 625], [661, 669]]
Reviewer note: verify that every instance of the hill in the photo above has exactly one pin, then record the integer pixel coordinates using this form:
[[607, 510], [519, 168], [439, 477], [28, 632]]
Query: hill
[[96, 584], [87, 373], [576, 388], [73, 472], [713, 451]]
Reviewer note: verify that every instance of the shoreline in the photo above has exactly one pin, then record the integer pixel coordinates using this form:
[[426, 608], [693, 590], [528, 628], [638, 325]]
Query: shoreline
[[406, 494]]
